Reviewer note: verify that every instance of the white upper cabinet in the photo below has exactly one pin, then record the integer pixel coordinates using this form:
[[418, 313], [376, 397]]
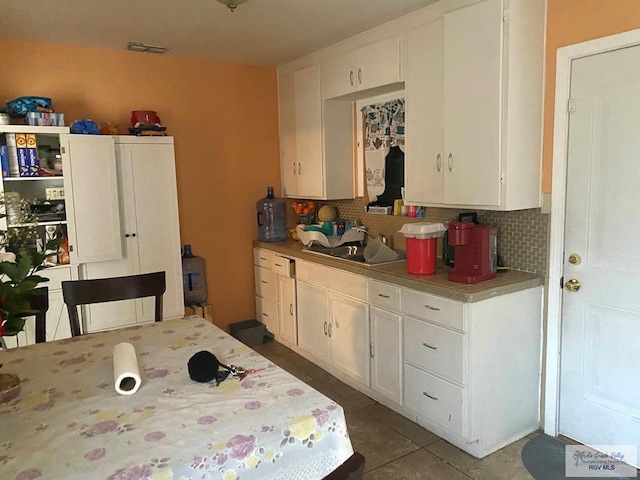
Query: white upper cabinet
[[371, 66], [311, 167], [474, 107]]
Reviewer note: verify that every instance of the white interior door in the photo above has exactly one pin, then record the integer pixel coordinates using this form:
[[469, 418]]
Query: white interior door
[[600, 356]]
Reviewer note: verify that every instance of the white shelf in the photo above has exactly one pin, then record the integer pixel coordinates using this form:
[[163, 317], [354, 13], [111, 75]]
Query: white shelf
[[33, 129], [21, 179], [38, 224]]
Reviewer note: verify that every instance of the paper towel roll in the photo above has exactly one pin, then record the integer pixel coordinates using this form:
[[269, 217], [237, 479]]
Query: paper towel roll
[[125, 369]]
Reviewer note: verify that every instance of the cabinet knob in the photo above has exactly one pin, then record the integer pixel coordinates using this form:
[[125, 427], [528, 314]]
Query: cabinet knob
[[133, 234], [127, 235]]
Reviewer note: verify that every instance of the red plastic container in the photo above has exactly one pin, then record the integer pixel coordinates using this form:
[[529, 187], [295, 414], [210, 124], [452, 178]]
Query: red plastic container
[[422, 246], [421, 255]]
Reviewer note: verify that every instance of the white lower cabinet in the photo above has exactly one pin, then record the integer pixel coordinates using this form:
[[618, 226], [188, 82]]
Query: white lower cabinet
[[275, 295], [348, 337], [287, 309], [386, 353], [313, 319], [334, 327]]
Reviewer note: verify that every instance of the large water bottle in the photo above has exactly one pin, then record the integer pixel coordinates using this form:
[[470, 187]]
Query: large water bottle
[[272, 222], [194, 278]]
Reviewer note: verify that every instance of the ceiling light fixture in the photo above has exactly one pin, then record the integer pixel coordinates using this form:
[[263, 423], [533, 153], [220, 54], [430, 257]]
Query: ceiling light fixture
[[143, 47], [232, 4]]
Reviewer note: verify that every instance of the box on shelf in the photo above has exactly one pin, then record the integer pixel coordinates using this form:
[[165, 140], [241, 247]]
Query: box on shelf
[[205, 311], [45, 119]]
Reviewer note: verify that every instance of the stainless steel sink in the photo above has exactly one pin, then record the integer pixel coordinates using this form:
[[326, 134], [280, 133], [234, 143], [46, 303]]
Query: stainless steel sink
[[352, 253]]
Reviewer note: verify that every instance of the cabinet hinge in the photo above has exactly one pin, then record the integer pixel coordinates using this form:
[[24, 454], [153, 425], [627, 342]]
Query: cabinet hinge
[[501, 177], [505, 15], [561, 282], [63, 150], [571, 105]]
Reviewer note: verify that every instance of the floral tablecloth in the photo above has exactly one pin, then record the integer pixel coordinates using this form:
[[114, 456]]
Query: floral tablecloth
[[69, 423]]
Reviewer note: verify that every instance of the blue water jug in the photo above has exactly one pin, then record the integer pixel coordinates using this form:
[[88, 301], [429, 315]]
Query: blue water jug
[[271, 216], [194, 278]]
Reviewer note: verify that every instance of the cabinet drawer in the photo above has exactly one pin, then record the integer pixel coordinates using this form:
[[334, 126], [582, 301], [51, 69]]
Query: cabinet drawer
[[267, 313], [266, 284], [281, 265], [435, 399], [333, 279], [435, 309], [262, 258], [385, 295], [56, 276], [435, 349]]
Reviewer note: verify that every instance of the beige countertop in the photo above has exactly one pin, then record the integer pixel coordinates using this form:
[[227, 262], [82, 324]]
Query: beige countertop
[[396, 273]]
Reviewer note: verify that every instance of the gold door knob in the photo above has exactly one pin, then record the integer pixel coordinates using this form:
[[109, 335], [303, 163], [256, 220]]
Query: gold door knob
[[572, 285]]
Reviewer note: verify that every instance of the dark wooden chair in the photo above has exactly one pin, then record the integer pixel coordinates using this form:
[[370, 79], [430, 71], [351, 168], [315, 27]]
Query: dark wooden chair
[[351, 469], [84, 292], [40, 302]]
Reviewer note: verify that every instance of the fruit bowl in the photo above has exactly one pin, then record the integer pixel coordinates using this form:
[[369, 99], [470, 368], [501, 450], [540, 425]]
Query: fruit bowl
[[304, 208]]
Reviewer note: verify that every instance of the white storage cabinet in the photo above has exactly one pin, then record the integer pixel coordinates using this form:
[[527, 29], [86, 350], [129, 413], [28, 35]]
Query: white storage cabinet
[[275, 295], [311, 167], [472, 370], [333, 319], [149, 227], [474, 86], [364, 68]]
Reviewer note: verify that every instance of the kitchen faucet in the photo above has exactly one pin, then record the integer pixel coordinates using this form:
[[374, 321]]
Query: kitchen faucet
[[364, 230]]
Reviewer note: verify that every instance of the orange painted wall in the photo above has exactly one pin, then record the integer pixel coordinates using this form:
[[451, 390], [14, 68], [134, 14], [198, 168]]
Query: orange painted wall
[[223, 118], [575, 21]]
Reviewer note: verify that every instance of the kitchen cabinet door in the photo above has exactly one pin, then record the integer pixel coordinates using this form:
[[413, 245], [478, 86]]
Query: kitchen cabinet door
[[91, 190], [386, 354], [156, 229], [287, 304], [349, 337], [424, 166], [288, 145], [313, 319], [371, 66], [308, 121], [472, 100]]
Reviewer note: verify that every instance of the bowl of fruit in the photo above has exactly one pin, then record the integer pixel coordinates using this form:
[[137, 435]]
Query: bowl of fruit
[[305, 210]]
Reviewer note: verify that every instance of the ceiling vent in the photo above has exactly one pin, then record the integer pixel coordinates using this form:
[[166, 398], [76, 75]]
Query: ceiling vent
[[143, 47]]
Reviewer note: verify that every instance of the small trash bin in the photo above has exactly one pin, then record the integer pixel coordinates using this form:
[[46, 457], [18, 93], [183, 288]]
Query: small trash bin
[[249, 332]]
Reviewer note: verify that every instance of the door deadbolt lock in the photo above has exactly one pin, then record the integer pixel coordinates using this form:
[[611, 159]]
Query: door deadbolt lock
[[575, 259], [572, 285]]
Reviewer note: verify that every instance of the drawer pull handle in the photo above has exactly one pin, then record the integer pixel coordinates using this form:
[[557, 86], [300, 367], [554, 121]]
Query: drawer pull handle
[[429, 346], [330, 328], [265, 314], [432, 397], [264, 281], [263, 258], [435, 309], [278, 265], [383, 296], [291, 309], [325, 328]]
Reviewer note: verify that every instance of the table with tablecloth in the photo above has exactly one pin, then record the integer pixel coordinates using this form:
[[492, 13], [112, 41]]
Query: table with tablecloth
[[69, 423]]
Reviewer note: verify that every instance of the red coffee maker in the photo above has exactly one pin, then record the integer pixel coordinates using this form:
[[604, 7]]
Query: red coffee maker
[[475, 252]]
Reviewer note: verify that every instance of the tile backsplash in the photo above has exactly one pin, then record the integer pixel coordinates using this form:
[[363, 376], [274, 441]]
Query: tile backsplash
[[522, 235]]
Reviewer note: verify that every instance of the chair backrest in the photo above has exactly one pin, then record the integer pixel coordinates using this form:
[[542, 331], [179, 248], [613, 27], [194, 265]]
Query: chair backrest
[[40, 301], [84, 292]]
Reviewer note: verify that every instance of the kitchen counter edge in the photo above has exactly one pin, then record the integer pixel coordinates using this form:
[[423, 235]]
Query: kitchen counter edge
[[396, 273]]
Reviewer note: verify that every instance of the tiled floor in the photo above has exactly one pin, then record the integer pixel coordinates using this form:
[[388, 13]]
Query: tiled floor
[[395, 447]]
